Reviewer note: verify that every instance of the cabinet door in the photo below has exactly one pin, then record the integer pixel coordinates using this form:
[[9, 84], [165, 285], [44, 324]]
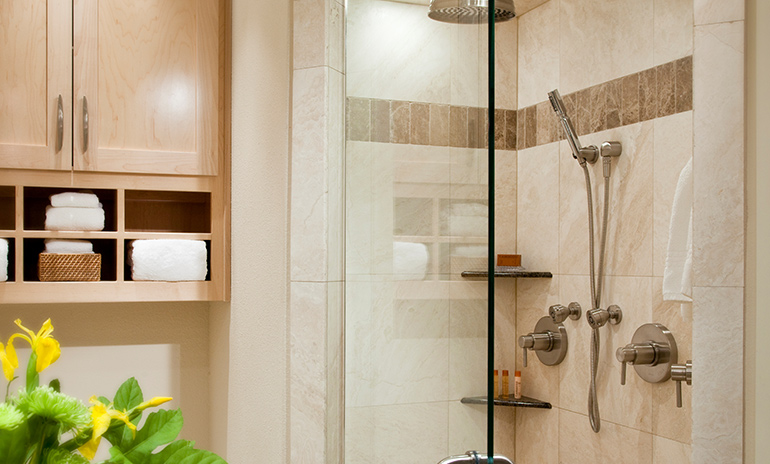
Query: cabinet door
[[149, 73], [36, 84]]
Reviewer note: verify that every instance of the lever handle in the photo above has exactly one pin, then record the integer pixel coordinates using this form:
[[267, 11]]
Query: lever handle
[[623, 373], [626, 355], [681, 373], [59, 123], [526, 341]]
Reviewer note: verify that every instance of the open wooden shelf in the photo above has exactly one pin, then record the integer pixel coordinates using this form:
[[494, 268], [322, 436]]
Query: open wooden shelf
[[136, 208]]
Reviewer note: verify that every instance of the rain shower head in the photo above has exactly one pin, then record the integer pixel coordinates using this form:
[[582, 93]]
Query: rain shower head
[[469, 11]]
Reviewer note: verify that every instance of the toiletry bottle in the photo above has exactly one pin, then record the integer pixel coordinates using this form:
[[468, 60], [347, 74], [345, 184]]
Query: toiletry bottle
[[496, 384], [517, 385], [504, 391]]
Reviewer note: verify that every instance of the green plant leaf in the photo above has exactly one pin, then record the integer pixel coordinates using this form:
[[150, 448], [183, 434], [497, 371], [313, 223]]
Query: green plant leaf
[[183, 452], [117, 457], [161, 428], [56, 385], [129, 395], [33, 378], [14, 445]]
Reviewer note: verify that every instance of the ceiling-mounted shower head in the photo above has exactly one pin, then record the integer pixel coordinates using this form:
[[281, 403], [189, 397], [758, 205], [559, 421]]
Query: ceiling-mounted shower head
[[469, 11]]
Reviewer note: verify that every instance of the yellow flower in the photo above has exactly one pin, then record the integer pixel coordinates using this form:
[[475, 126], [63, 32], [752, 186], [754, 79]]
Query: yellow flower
[[43, 344], [157, 401], [10, 363], [101, 417]]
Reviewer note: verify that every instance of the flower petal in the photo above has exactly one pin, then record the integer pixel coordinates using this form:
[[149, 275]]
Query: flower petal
[[156, 401], [48, 351], [46, 329], [29, 332], [8, 369], [89, 449]]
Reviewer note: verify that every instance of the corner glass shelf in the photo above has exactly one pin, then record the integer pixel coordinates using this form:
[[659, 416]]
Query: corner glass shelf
[[523, 402], [509, 271]]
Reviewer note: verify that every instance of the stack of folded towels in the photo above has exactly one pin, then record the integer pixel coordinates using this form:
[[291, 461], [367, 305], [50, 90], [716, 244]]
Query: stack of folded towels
[[74, 211], [168, 260], [3, 260], [467, 219], [68, 246]]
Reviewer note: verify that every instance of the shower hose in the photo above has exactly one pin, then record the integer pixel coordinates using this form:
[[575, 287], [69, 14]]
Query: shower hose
[[596, 284]]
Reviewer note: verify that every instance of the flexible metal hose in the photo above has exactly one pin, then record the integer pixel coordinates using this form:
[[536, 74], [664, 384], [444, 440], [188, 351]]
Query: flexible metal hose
[[596, 289]]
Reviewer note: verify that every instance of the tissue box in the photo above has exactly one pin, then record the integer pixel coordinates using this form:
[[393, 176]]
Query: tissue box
[[69, 267]]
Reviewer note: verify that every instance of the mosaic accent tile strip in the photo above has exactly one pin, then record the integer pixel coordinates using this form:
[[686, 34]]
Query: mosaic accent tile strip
[[653, 93]]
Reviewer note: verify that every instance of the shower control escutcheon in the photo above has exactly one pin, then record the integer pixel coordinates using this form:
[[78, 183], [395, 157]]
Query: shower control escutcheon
[[548, 341], [652, 352], [681, 373]]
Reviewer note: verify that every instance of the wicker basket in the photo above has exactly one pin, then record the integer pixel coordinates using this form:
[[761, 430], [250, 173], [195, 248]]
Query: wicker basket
[[67, 267]]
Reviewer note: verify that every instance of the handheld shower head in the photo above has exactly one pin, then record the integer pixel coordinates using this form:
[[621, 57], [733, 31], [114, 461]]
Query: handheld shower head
[[580, 153], [557, 103]]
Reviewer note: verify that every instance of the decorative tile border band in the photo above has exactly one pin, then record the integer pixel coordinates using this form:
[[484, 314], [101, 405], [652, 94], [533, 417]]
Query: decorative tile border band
[[653, 93]]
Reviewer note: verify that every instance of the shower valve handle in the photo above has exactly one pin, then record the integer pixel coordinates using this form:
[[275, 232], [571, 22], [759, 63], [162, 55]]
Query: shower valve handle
[[535, 342], [681, 373]]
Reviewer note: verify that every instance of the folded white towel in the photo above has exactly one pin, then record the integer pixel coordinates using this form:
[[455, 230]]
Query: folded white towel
[[3, 260], [74, 218], [677, 275], [75, 200], [168, 260], [469, 209], [468, 226], [470, 251], [410, 260], [53, 245]]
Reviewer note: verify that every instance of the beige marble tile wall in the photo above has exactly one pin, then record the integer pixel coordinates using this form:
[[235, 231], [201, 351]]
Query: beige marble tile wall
[[316, 381], [582, 47]]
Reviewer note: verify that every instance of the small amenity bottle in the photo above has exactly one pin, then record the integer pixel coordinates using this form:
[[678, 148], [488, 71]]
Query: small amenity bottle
[[517, 385], [496, 385], [504, 391]]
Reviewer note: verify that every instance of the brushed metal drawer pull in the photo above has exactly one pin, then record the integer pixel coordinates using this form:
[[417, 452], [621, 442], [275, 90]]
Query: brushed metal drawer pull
[[59, 124], [85, 124]]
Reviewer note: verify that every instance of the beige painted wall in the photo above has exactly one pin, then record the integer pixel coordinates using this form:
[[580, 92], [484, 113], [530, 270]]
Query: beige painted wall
[[257, 389], [757, 425], [98, 325]]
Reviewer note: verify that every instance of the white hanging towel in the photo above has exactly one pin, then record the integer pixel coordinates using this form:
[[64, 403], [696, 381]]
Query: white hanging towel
[[677, 276], [3, 260]]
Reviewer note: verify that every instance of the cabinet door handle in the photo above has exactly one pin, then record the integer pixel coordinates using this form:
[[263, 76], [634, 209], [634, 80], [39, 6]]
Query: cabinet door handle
[[59, 124], [85, 124]]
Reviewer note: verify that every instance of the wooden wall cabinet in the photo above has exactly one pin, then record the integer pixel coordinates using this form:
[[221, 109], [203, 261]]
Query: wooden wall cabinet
[[112, 85], [127, 99]]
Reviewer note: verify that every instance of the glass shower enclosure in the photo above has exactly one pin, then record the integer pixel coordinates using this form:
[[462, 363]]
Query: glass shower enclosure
[[417, 217]]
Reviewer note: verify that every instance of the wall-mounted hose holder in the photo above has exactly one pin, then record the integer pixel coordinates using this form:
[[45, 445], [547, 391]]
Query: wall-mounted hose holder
[[548, 341]]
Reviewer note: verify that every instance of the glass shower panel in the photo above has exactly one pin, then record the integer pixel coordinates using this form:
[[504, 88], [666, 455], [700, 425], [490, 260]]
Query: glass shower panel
[[416, 217]]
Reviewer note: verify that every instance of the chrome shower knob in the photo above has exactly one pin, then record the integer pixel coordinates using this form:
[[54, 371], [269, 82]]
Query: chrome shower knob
[[599, 317], [560, 313]]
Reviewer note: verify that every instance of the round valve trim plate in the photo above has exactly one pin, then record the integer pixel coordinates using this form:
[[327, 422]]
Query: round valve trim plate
[[559, 349], [660, 335]]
